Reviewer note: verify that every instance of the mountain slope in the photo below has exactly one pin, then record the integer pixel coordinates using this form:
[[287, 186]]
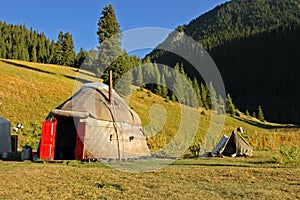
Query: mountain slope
[[242, 18], [255, 44], [29, 91]]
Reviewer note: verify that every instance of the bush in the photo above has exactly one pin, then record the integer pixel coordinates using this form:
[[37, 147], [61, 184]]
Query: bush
[[167, 99], [287, 153], [195, 149]]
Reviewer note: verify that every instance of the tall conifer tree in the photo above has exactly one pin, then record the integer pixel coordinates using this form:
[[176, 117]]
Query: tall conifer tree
[[69, 54], [58, 54], [109, 36]]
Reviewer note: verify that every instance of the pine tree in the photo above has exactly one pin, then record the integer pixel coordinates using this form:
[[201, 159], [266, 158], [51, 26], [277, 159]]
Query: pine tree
[[59, 53], [139, 76], [109, 36], [260, 114], [212, 97], [156, 86], [178, 86], [247, 113], [33, 57], [164, 89], [124, 83], [80, 57], [69, 54], [204, 96], [221, 105], [197, 91], [230, 108]]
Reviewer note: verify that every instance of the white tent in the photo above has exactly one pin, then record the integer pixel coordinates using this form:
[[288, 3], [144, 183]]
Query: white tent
[[88, 126], [5, 140]]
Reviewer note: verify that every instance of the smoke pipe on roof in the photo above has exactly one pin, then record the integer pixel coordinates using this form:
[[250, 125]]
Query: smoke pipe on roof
[[110, 87]]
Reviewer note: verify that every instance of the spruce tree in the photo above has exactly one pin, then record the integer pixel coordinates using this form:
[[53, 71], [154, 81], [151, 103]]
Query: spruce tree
[[247, 113], [204, 96], [197, 91], [178, 86], [164, 89], [230, 108], [69, 54], [138, 76], [212, 97], [109, 36], [221, 105], [80, 57], [260, 114], [59, 53]]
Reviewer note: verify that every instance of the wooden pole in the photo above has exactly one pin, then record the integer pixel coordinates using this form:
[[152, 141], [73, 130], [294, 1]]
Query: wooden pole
[[110, 87]]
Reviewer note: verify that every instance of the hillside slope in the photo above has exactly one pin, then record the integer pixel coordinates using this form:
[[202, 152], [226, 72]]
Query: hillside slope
[[29, 91], [255, 44]]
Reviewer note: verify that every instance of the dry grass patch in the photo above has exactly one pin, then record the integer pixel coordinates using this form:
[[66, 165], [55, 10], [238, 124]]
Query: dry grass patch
[[185, 179]]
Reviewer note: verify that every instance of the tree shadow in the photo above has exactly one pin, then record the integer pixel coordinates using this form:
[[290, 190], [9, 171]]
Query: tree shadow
[[84, 72], [47, 72], [267, 126], [222, 163], [77, 78], [26, 67]]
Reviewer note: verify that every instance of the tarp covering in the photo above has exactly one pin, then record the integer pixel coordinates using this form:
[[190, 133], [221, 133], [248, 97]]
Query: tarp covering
[[237, 146], [220, 146], [5, 138]]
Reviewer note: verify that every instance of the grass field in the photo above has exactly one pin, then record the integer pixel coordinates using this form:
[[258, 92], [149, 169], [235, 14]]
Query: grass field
[[28, 92], [210, 178]]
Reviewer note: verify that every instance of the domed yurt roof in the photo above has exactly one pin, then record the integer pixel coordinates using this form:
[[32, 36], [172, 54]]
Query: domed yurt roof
[[92, 100]]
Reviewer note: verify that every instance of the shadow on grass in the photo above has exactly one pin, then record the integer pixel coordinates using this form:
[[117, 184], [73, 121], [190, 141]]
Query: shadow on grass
[[46, 72], [26, 67], [223, 163], [267, 126], [84, 73], [77, 78]]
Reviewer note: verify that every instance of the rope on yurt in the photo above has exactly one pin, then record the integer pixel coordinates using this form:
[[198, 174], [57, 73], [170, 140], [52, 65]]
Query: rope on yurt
[[113, 112]]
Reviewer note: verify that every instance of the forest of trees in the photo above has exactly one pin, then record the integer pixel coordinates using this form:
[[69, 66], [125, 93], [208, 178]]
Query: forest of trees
[[20, 43], [255, 44], [172, 84]]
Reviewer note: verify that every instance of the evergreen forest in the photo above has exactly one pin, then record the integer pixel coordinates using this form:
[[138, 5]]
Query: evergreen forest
[[255, 44]]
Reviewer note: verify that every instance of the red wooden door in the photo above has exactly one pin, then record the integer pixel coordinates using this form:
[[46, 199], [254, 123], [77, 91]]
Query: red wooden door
[[47, 145], [79, 150]]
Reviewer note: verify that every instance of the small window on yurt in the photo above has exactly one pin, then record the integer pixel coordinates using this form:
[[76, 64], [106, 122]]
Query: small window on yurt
[[110, 137], [131, 138]]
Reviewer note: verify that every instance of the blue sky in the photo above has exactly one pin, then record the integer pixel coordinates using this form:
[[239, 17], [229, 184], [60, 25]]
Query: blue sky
[[80, 17]]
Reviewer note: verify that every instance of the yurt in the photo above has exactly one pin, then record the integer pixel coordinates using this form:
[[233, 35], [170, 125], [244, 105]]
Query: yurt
[[95, 123]]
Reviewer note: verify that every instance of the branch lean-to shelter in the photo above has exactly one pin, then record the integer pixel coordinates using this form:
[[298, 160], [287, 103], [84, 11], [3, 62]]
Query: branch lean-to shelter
[[5, 137], [93, 125], [233, 146]]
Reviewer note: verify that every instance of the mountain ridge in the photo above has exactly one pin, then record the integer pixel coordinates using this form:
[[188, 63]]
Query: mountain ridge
[[254, 44]]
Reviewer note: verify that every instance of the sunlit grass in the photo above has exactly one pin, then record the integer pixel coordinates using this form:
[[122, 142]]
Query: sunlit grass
[[29, 91]]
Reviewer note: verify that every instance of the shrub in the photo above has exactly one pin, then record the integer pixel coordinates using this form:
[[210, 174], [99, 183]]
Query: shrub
[[287, 153], [167, 99], [149, 93], [195, 149]]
